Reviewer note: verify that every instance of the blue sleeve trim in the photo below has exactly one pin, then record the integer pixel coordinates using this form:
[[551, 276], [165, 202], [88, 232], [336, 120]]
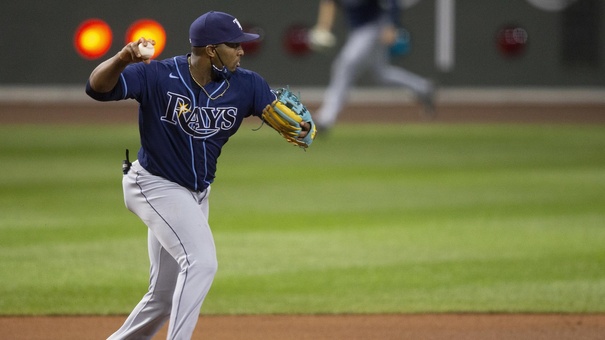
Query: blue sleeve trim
[[124, 86]]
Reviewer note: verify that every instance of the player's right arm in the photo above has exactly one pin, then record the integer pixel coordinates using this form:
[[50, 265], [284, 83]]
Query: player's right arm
[[325, 15], [321, 36], [105, 76]]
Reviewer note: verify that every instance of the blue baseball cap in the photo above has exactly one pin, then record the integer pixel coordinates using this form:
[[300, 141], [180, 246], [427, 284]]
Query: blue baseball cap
[[217, 27]]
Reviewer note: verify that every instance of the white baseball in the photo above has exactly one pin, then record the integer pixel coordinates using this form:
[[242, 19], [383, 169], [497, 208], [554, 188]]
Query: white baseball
[[146, 51]]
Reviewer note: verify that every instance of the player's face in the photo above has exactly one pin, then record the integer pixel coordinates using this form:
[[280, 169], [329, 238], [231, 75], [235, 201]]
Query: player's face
[[231, 54]]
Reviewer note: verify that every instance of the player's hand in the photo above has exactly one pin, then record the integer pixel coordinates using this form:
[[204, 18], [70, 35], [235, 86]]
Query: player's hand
[[305, 128], [321, 39], [131, 53], [389, 35]]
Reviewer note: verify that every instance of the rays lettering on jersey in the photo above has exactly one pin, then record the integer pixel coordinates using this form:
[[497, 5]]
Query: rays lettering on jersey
[[198, 122]]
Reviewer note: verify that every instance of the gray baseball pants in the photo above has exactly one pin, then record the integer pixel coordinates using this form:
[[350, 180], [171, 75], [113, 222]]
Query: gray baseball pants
[[182, 255]]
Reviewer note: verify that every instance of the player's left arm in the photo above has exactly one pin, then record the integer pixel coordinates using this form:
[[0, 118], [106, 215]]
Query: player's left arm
[[290, 118], [389, 33], [394, 11], [283, 111]]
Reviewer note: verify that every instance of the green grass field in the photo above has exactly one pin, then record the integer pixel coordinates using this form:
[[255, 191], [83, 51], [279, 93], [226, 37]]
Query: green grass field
[[371, 219]]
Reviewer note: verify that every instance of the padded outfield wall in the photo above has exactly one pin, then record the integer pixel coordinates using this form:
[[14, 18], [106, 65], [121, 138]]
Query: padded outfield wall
[[564, 48]]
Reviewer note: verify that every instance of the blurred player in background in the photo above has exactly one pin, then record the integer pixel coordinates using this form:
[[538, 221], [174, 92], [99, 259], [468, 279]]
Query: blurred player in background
[[373, 27]]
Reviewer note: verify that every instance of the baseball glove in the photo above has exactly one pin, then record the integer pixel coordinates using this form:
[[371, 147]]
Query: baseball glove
[[285, 116]]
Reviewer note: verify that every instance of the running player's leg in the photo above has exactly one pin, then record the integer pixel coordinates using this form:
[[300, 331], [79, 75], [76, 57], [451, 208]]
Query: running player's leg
[[350, 62], [388, 74]]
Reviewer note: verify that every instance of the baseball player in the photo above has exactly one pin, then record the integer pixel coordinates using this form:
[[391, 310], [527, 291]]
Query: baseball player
[[373, 28], [189, 106]]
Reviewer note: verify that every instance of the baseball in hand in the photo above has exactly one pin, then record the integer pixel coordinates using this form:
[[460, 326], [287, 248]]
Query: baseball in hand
[[146, 51]]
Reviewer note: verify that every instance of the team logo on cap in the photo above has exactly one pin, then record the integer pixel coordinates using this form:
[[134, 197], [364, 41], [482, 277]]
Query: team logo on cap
[[238, 24]]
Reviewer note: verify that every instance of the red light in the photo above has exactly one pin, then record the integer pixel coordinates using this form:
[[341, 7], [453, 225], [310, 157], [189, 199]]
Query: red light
[[512, 40], [253, 47], [149, 29], [296, 40], [93, 38]]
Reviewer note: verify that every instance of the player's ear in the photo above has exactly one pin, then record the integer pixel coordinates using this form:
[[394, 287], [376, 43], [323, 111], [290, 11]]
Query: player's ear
[[211, 50]]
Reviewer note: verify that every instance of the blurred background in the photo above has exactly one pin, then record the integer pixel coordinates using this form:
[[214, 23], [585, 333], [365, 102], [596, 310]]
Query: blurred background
[[464, 217], [458, 43]]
